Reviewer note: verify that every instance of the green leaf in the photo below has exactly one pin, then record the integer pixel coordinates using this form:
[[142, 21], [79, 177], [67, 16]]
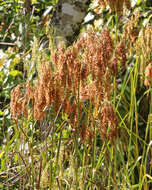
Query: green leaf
[[1, 112], [14, 73], [1, 154]]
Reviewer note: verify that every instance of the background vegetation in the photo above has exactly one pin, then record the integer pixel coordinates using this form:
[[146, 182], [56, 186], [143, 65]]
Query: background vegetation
[[78, 116]]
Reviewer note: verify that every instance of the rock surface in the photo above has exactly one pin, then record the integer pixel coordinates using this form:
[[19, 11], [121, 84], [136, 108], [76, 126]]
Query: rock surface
[[68, 17]]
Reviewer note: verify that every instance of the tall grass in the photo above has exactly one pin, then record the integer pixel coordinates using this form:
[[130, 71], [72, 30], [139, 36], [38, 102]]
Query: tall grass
[[79, 124]]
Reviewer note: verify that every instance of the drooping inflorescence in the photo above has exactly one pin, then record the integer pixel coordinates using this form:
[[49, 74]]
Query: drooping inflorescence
[[115, 5], [84, 71]]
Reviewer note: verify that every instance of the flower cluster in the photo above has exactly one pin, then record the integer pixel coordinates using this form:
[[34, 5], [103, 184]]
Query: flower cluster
[[108, 120], [139, 40], [144, 42], [148, 75], [115, 5], [18, 104], [131, 29], [82, 73]]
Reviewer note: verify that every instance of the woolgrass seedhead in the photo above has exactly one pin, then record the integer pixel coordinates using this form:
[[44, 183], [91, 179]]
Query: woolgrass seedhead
[[115, 5], [86, 134], [120, 54], [19, 102], [108, 128], [143, 48], [131, 31], [148, 75], [144, 43], [84, 71]]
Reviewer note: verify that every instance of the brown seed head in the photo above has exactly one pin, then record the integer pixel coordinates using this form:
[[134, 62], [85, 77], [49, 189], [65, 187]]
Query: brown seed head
[[108, 122], [148, 75]]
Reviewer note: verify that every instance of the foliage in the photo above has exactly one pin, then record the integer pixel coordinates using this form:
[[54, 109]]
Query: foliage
[[21, 20], [76, 117]]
